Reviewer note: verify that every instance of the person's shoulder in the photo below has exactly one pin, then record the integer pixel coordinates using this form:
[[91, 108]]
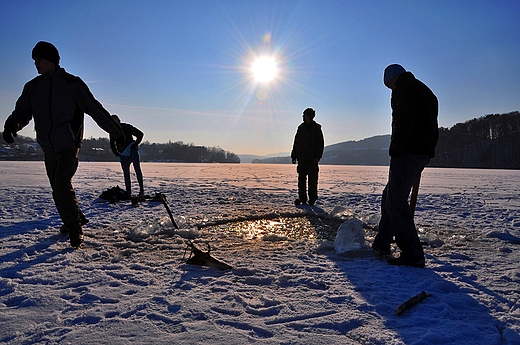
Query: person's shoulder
[[68, 77], [35, 80], [405, 84], [406, 77]]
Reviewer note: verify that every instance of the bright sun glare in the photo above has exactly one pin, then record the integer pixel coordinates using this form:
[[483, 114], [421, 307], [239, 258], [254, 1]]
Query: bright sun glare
[[264, 69]]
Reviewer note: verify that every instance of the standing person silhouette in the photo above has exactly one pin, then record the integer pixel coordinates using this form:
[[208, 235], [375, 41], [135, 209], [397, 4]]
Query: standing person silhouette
[[414, 137], [57, 101], [128, 153], [307, 151]]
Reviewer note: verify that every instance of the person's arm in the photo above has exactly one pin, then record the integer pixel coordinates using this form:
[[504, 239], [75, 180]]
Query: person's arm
[[320, 145], [404, 101], [294, 151], [91, 106], [113, 146], [20, 117], [138, 134]]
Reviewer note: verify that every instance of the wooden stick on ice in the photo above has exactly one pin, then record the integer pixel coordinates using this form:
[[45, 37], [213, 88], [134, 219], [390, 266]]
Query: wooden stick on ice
[[411, 302]]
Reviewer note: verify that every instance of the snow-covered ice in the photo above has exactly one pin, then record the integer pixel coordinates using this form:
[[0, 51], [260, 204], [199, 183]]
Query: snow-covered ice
[[130, 282]]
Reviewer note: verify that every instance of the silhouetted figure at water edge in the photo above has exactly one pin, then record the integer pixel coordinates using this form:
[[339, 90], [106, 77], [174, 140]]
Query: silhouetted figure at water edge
[[307, 150]]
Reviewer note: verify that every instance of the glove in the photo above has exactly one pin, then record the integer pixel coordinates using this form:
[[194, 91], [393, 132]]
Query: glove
[[294, 161], [9, 132]]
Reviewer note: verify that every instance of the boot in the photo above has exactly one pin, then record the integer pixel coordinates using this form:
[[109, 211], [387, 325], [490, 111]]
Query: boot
[[76, 236], [65, 230]]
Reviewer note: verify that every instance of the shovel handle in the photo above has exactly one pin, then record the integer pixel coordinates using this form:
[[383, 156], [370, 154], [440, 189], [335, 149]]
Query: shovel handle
[[163, 200], [415, 192]]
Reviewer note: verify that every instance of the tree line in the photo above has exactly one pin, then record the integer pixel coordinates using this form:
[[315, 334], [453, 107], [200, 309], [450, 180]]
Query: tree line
[[99, 150], [491, 141]]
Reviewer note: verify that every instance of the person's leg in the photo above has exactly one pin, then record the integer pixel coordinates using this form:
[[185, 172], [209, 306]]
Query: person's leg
[[61, 168], [403, 172], [302, 181], [137, 168], [313, 170], [385, 233], [125, 165]]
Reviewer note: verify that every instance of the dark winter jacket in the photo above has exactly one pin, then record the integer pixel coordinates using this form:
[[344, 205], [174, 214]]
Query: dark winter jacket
[[414, 118], [308, 142], [58, 103], [130, 132]]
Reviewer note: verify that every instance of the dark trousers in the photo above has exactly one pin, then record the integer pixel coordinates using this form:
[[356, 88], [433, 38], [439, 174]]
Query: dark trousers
[[307, 170], [60, 168], [396, 216], [125, 165]]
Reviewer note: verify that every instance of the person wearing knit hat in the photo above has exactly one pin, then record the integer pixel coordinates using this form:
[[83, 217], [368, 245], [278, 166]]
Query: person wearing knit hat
[[414, 137], [391, 72], [46, 50], [307, 150], [59, 123]]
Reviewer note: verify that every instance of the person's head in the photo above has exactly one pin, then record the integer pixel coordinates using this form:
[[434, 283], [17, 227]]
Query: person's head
[[46, 57], [308, 115], [392, 72], [116, 118]]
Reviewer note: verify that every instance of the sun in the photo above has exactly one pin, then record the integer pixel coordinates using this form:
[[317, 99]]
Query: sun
[[264, 69]]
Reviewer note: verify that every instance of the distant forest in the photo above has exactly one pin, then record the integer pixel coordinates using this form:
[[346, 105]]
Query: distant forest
[[152, 152], [491, 141], [98, 150]]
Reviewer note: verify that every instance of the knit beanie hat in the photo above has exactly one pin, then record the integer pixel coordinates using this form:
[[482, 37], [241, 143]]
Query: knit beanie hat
[[310, 112], [47, 51], [391, 71]]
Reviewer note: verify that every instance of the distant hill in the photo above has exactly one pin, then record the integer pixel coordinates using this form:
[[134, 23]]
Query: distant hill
[[249, 158], [370, 151], [491, 141]]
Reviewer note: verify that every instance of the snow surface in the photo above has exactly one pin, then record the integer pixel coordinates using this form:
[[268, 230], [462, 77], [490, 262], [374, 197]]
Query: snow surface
[[130, 283]]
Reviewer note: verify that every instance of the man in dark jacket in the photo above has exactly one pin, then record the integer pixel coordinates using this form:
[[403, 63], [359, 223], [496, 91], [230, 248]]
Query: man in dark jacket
[[307, 150], [128, 153], [414, 138], [57, 101]]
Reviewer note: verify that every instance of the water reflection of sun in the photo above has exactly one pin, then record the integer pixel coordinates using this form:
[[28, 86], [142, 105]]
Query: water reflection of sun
[[279, 229]]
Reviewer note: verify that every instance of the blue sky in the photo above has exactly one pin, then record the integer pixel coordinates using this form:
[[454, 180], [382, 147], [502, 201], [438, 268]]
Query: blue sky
[[181, 70]]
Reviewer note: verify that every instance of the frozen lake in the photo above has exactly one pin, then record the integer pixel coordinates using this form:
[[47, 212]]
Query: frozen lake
[[130, 282]]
